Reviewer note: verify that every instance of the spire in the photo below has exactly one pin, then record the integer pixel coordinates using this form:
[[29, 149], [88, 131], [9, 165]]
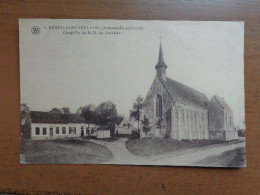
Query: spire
[[161, 66], [160, 62]]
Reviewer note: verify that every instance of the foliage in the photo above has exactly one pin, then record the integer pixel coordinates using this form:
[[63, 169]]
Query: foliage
[[134, 134], [159, 123], [25, 121], [135, 113], [106, 115], [87, 113], [241, 133], [65, 110], [55, 110], [24, 112], [146, 124]]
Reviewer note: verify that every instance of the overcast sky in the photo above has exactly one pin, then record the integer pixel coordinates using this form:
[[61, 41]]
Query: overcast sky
[[63, 70]]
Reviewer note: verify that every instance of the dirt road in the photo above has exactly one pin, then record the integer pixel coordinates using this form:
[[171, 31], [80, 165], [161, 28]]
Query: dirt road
[[188, 157]]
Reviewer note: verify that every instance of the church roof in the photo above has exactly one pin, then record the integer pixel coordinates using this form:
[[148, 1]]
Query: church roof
[[186, 95], [160, 62], [221, 102], [54, 118]]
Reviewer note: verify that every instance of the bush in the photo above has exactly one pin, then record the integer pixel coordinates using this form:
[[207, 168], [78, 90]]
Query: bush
[[241, 133], [135, 134]]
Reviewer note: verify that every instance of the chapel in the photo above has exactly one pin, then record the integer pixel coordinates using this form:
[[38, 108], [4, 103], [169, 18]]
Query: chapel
[[178, 111]]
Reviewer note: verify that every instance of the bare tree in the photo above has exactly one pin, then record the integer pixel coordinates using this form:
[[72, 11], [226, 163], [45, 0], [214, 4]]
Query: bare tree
[[146, 125], [136, 112]]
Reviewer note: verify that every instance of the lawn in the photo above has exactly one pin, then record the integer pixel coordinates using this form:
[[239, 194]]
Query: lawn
[[149, 146], [67, 151], [232, 158]]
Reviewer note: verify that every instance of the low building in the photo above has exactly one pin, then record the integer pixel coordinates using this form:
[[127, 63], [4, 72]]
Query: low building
[[103, 133], [124, 128], [221, 125], [47, 125]]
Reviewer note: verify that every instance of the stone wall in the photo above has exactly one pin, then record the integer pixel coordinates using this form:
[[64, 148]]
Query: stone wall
[[149, 107], [221, 125], [188, 122], [180, 121], [216, 116]]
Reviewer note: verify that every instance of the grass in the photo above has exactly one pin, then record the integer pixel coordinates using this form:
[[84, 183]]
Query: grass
[[148, 146], [232, 158], [67, 151]]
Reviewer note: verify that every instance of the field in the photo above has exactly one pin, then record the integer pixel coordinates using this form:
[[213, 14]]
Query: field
[[232, 158], [63, 151], [148, 146]]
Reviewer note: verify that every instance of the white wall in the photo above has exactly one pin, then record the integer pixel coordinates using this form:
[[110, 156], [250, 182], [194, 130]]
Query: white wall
[[124, 130], [55, 135], [103, 134]]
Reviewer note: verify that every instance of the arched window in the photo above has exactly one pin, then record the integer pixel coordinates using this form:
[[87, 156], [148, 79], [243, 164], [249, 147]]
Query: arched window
[[159, 106]]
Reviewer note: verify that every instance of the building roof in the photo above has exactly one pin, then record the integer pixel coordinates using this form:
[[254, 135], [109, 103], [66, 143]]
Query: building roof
[[221, 101], [54, 118], [186, 95], [160, 62]]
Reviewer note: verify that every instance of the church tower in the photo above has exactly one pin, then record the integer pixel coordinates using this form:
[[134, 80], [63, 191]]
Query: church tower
[[161, 66]]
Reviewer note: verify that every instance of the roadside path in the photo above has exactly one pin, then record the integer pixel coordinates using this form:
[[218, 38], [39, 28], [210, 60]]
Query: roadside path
[[120, 153], [192, 156], [187, 157]]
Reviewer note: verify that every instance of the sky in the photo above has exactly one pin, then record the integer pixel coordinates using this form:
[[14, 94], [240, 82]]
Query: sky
[[67, 68]]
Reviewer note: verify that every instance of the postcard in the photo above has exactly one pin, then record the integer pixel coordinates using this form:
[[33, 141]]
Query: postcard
[[134, 92]]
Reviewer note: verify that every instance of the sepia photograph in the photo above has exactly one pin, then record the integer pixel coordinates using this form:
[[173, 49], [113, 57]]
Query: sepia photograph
[[128, 92]]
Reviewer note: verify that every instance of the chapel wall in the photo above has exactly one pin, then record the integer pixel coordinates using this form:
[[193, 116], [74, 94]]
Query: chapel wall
[[150, 109], [189, 122]]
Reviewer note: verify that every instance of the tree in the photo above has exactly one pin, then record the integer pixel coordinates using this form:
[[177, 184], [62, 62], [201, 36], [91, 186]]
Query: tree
[[106, 115], [159, 123], [135, 113], [55, 110], [146, 125], [25, 122], [87, 114], [65, 110]]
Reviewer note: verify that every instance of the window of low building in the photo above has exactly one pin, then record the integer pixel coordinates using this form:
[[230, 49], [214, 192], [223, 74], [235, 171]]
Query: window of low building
[[44, 131], [93, 130], [37, 130], [72, 130], [82, 129], [63, 130], [57, 130]]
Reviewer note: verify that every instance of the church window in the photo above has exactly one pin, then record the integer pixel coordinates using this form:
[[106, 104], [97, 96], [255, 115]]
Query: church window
[[183, 116], [159, 106], [230, 120]]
